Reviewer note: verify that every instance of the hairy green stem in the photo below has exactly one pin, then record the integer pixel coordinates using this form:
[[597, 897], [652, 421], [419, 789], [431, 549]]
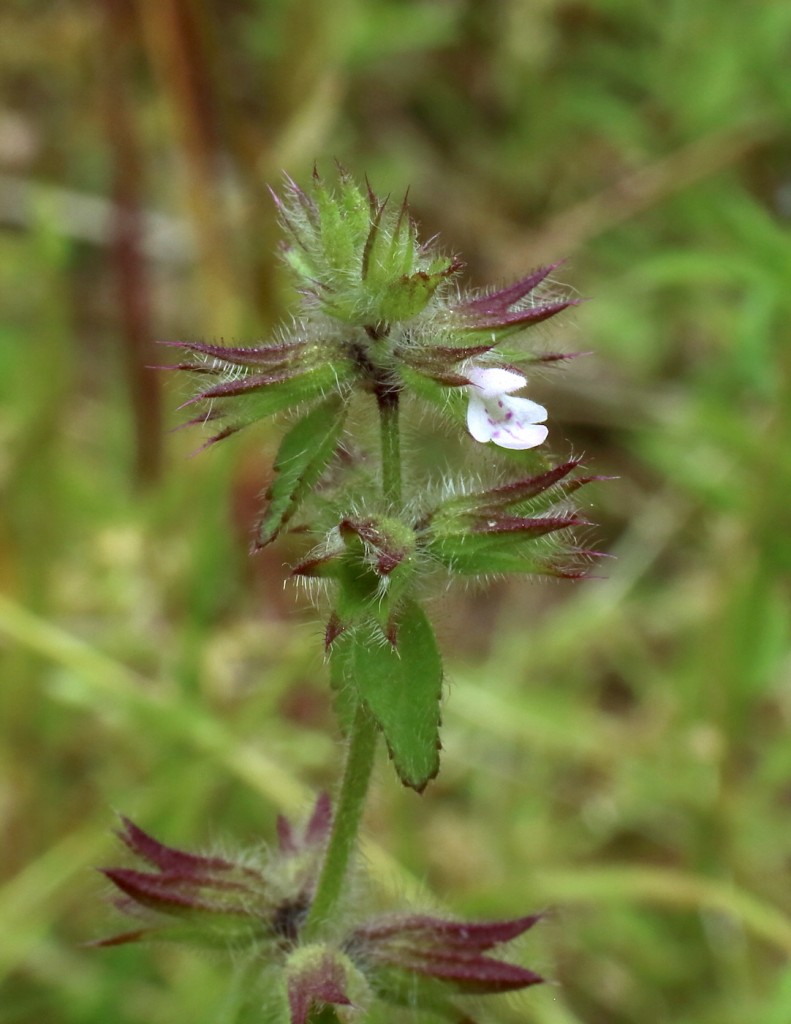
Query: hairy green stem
[[346, 821], [363, 735], [391, 447]]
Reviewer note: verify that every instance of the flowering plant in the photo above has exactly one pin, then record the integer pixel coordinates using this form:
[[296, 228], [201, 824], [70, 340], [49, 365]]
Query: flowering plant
[[381, 320]]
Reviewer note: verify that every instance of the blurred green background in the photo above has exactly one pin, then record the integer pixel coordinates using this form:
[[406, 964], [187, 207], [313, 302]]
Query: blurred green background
[[618, 750]]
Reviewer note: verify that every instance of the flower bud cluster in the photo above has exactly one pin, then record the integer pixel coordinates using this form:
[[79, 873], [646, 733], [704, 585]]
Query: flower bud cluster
[[260, 910], [216, 901], [374, 560], [378, 316]]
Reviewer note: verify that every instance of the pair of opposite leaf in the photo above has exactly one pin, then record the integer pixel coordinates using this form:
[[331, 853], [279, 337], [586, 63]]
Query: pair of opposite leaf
[[256, 907]]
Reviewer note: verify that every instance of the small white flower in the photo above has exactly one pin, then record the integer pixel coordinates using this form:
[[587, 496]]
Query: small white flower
[[494, 415]]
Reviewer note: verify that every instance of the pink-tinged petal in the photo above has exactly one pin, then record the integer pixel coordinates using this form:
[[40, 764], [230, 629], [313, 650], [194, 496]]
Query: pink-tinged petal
[[479, 423], [492, 381], [520, 438], [523, 410], [494, 415]]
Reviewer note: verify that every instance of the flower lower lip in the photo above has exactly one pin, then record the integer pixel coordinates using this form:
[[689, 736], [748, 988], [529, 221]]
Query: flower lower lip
[[495, 414]]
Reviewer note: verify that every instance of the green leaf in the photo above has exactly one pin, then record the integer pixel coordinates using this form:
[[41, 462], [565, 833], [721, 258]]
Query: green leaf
[[444, 398], [486, 563], [474, 554], [303, 456], [401, 687], [527, 493], [502, 544]]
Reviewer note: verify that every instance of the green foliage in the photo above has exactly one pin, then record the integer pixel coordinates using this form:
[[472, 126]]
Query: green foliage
[[360, 255], [514, 528], [399, 680], [506, 551], [303, 455]]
